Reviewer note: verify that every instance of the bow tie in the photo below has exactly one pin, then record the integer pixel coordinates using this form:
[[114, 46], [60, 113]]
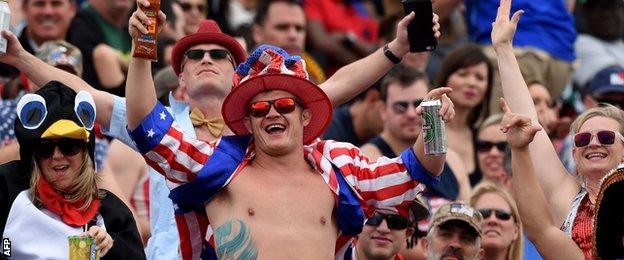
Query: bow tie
[[215, 125]]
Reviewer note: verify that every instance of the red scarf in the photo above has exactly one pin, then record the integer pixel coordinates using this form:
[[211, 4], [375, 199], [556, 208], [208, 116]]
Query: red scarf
[[68, 211]]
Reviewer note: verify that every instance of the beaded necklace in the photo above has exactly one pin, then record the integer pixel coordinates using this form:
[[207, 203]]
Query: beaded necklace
[[582, 229]]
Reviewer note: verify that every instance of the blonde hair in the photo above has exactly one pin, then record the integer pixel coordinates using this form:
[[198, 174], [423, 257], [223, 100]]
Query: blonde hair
[[604, 110], [491, 120], [517, 246], [84, 186]]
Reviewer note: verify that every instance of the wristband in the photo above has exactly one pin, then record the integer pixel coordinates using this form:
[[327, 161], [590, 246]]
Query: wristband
[[393, 58]]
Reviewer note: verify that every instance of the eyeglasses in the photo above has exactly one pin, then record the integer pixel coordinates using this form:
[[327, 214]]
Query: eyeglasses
[[281, 105], [486, 146], [394, 221], [605, 137], [187, 6], [400, 107], [500, 214], [69, 147]]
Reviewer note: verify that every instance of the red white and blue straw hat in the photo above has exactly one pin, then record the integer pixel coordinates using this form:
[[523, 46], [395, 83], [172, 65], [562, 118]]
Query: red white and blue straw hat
[[272, 68]]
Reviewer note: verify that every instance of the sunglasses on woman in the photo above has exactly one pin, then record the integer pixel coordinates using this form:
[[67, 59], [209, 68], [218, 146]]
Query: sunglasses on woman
[[400, 107], [486, 146], [281, 105], [393, 221], [605, 137], [69, 147], [500, 214]]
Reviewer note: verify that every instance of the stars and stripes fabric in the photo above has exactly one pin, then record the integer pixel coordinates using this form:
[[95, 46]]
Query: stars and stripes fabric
[[196, 171], [7, 118], [269, 59]]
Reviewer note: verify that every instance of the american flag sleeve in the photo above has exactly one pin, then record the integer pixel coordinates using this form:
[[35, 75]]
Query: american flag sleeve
[[387, 182], [167, 150]]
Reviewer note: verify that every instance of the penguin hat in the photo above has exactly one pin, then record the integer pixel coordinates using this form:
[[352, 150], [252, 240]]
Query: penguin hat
[[55, 111]]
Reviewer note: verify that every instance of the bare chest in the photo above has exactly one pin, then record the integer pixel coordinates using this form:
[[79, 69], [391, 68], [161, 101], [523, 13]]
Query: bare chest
[[283, 213]]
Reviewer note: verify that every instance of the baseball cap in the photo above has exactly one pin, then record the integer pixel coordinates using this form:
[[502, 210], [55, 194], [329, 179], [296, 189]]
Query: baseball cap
[[607, 80], [461, 212], [62, 55]]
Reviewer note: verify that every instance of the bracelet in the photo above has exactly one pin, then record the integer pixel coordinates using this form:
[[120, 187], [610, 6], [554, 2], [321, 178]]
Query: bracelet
[[393, 58]]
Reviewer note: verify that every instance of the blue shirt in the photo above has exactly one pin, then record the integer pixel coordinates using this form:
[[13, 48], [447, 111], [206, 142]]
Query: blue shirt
[[545, 25], [164, 241]]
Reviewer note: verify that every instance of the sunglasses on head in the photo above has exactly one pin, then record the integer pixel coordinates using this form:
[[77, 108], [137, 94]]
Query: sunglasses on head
[[605, 137], [500, 214], [281, 105], [187, 6], [69, 147], [486, 146], [393, 221], [400, 107]]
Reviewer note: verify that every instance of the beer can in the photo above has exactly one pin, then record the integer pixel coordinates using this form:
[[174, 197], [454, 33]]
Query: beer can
[[433, 128], [5, 21]]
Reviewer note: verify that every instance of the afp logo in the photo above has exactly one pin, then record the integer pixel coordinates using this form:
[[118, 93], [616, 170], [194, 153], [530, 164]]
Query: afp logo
[[6, 247]]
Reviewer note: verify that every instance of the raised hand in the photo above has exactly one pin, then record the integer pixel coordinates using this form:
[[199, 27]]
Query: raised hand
[[139, 21], [400, 45], [14, 49], [503, 29], [519, 129], [447, 112], [103, 241]]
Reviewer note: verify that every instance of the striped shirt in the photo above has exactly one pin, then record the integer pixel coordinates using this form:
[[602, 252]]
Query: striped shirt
[[190, 165]]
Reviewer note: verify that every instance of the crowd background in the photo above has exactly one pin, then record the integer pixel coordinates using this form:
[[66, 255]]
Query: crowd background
[[571, 55]]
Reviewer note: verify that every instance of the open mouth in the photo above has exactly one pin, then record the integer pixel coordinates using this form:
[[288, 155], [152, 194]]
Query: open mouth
[[275, 129], [60, 168], [595, 155]]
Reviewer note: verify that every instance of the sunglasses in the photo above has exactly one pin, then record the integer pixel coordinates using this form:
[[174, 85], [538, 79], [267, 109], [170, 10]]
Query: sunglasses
[[605, 137], [281, 105], [500, 214], [69, 147], [187, 7], [215, 54], [486, 146], [400, 107], [393, 221]]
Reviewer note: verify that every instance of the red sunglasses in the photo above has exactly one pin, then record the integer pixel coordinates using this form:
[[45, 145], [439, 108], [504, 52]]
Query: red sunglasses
[[605, 137], [281, 105]]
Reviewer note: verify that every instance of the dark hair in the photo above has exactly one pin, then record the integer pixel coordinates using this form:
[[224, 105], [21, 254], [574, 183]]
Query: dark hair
[[263, 9], [403, 75], [463, 57]]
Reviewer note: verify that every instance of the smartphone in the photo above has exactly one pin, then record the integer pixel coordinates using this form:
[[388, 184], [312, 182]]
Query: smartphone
[[419, 30]]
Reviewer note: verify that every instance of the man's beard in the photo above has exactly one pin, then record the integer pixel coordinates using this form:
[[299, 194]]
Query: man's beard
[[449, 251]]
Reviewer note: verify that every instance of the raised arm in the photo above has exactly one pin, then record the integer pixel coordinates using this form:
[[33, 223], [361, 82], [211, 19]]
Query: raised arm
[[41, 73], [140, 90], [557, 184], [538, 223], [434, 163], [354, 78]]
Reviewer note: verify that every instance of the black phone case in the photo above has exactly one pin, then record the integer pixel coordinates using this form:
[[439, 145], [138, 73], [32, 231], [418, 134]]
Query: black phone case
[[419, 30]]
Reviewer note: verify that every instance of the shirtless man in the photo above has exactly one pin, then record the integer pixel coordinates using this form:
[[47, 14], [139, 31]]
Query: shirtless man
[[265, 197]]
